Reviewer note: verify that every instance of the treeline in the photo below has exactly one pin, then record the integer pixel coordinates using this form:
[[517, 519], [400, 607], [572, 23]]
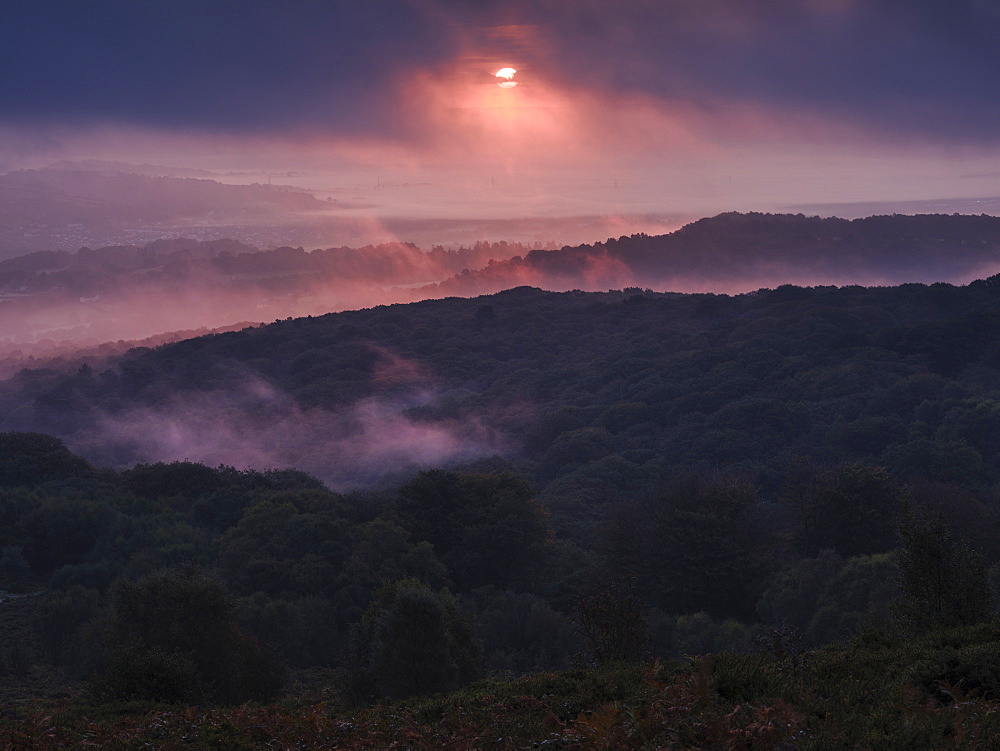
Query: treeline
[[29, 269], [228, 263], [734, 251], [183, 583]]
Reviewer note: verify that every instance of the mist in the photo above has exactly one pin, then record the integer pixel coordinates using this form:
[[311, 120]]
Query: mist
[[254, 425], [53, 302], [67, 304]]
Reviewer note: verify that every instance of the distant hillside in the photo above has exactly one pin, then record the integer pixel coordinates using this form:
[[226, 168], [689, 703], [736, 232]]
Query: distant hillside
[[95, 295], [110, 166], [739, 252], [598, 395], [46, 208], [53, 196], [61, 299]]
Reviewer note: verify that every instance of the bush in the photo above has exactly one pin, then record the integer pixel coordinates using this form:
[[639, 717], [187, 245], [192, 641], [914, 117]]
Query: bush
[[136, 674], [972, 671]]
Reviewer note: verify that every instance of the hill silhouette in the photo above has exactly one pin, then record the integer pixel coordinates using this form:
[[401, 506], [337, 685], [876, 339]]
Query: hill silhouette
[[735, 252], [93, 295]]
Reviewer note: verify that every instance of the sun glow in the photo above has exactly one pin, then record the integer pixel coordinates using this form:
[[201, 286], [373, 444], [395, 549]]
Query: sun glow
[[506, 76]]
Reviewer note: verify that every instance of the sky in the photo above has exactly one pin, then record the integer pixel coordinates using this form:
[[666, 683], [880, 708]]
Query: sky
[[631, 106]]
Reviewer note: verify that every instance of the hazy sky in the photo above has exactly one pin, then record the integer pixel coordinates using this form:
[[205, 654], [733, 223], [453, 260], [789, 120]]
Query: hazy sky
[[631, 105]]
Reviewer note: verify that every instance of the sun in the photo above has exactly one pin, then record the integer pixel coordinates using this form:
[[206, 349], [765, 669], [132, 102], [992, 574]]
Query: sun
[[506, 78]]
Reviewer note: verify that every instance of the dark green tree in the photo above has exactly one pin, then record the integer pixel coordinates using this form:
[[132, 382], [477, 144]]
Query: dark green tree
[[698, 544], [486, 528], [853, 509], [613, 621], [33, 458], [859, 595], [172, 636], [522, 633], [62, 531], [412, 641], [57, 620], [943, 582]]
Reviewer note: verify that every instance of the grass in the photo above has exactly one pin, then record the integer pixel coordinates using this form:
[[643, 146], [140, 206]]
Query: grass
[[878, 691]]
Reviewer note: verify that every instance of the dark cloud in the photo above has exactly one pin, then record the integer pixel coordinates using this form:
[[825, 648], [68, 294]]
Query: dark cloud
[[217, 64], [925, 69]]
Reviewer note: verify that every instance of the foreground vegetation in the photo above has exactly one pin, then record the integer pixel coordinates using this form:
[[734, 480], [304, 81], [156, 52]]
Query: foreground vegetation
[[939, 690]]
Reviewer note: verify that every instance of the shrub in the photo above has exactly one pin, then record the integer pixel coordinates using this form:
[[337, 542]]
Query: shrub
[[973, 671]]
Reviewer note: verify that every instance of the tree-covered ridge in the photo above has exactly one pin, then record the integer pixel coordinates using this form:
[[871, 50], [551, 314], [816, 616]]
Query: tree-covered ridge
[[740, 462], [55, 298], [714, 251], [595, 396], [737, 252], [119, 269]]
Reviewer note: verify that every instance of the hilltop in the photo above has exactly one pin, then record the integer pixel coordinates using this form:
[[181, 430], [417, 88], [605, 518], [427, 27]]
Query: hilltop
[[596, 395], [735, 252]]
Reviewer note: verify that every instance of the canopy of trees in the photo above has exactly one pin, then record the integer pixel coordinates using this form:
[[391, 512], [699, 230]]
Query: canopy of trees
[[741, 462]]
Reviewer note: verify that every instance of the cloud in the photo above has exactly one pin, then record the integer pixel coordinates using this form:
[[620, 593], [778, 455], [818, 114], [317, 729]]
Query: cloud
[[249, 67], [891, 66], [698, 107]]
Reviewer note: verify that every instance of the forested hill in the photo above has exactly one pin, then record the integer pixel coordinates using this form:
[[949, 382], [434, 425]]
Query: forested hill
[[65, 196], [739, 252], [790, 461], [595, 396]]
